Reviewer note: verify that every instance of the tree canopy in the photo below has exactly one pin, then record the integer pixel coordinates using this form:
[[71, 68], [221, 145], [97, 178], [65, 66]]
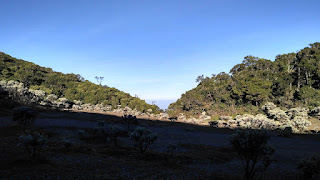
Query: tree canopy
[[290, 80], [70, 86]]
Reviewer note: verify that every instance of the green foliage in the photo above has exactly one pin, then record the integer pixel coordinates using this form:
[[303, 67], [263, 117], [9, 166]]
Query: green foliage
[[292, 79], [129, 122], [253, 149], [143, 138], [70, 86], [24, 116], [33, 142]]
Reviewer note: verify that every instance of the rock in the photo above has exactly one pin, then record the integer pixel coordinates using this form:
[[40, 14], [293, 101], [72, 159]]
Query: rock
[[119, 111], [268, 106], [46, 103], [182, 117], [222, 124], [213, 124], [278, 114], [164, 116], [245, 117], [192, 120], [99, 108], [108, 108], [76, 102], [293, 112], [77, 107], [52, 97], [300, 123], [315, 112], [225, 118], [88, 107]]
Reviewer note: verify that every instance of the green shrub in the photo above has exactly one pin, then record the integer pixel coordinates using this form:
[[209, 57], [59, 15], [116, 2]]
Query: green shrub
[[111, 132], [130, 122], [143, 138], [253, 149], [114, 132], [33, 142], [24, 116]]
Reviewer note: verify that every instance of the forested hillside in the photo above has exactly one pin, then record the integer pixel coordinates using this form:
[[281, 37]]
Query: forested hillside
[[290, 80], [70, 86]]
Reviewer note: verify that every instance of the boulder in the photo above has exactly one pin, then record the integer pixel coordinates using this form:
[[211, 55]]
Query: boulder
[[225, 118], [298, 111], [268, 106], [315, 112], [213, 124]]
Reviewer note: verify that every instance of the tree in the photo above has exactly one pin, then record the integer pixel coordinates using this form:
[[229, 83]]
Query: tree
[[200, 79], [99, 80]]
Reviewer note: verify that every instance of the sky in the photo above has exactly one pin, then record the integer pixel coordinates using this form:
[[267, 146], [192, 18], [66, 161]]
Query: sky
[[154, 49]]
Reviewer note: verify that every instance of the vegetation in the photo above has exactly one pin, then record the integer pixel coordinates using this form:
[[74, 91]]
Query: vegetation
[[310, 167], [114, 131], [33, 142], [170, 151], [143, 138], [129, 122], [25, 116], [291, 80], [70, 86], [253, 149]]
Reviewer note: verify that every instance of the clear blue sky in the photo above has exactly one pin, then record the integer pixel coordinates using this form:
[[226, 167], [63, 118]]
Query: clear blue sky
[[154, 48]]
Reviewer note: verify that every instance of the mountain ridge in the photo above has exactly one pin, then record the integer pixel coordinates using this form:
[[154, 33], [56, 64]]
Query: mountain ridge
[[70, 86], [290, 80]]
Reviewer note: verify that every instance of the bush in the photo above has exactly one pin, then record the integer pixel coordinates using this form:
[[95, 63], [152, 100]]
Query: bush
[[143, 138], [278, 115], [298, 111], [268, 106], [111, 132], [173, 119], [300, 123], [130, 122], [114, 132], [310, 167], [170, 151], [25, 116], [67, 143], [286, 132], [33, 142], [253, 149], [83, 134], [99, 129]]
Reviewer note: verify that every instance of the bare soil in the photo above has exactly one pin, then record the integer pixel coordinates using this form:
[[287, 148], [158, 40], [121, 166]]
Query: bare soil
[[203, 152]]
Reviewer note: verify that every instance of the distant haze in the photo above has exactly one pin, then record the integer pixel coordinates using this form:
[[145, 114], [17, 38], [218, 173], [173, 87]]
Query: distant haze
[[163, 104]]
